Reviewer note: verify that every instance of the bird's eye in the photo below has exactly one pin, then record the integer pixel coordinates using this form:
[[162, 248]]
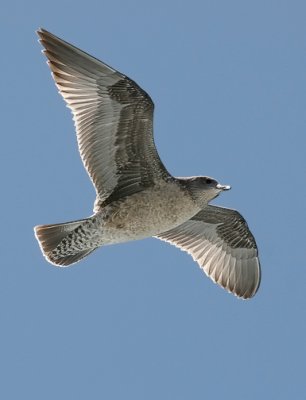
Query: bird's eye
[[208, 180]]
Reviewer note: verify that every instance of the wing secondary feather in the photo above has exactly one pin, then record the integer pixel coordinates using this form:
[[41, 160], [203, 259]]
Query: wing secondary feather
[[219, 240], [113, 118]]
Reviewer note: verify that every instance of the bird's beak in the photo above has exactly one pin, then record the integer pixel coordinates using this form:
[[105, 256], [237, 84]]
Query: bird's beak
[[223, 187]]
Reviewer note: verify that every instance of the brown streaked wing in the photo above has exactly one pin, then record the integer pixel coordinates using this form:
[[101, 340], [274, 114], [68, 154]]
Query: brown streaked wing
[[113, 118], [219, 240]]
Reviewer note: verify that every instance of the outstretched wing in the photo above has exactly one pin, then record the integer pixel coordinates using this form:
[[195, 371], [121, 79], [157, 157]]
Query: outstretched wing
[[113, 118], [220, 241]]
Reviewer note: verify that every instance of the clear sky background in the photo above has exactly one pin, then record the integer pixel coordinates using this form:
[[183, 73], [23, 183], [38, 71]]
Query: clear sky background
[[141, 320]]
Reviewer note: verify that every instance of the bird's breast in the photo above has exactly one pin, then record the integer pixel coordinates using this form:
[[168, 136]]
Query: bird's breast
[[146, 213]]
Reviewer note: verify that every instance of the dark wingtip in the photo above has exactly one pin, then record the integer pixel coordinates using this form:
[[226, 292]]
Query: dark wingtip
[[40, 31]]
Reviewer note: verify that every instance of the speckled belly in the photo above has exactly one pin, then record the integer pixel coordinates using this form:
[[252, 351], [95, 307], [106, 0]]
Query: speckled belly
[[145, 214]]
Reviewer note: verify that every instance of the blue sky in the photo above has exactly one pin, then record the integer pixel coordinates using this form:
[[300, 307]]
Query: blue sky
[[141, 320]]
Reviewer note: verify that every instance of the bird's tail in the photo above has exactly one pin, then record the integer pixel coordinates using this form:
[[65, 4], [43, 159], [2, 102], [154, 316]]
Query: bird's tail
[[62, 244]]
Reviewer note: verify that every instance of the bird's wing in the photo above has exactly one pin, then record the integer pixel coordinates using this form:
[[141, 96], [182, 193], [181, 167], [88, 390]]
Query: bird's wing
[[220, 241], [113, 118]]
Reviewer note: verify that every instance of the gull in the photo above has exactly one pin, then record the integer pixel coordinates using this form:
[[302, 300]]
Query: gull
[[136, 197]]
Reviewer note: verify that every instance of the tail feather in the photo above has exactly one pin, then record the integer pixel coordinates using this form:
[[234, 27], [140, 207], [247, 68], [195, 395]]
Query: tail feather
[[65, 261], [50, 238]]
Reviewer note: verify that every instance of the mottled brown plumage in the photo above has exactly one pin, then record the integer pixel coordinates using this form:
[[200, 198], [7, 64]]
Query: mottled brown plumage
[[136, 195]]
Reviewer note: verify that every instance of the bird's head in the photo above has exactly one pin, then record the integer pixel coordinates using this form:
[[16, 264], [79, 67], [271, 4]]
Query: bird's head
[[203, 188]]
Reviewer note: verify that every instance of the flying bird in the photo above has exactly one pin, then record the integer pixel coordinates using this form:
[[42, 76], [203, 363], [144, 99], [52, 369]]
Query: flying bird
[[136, 197]]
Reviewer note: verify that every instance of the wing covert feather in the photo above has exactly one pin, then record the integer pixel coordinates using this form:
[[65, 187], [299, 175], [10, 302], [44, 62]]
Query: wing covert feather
[[219, 240], [113, 118]]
